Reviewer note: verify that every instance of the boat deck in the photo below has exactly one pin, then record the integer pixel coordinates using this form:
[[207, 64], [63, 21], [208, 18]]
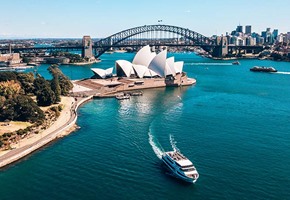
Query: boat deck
[[177, 156]]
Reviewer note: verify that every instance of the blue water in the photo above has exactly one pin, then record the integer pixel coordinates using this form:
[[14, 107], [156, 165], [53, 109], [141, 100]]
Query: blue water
[[233, 125]]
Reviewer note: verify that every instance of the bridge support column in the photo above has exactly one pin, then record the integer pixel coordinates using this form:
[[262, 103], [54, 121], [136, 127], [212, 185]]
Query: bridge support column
[[221, 50], [87, 51]]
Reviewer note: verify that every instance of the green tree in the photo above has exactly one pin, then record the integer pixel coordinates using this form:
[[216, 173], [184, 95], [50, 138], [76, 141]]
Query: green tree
[[9, 89], [8, 76], [39, 83], [44, 95], [21, 108], [54, 84], [64, 82], [26, 80]]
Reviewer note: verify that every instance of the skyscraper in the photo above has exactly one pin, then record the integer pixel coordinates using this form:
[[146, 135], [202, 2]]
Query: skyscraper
[[239, 29], [275, 33], [248, 29]]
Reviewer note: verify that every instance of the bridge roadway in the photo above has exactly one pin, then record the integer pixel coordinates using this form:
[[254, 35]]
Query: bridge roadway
[[53, 48], [95, 47]]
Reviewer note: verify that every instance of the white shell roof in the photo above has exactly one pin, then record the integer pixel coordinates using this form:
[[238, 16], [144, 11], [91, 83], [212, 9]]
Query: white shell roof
[[109, 71], [140, 70], [178, 66], [143, 56], [170, 62], [148, 64], [126, 66], [102, 72], [158, 64]]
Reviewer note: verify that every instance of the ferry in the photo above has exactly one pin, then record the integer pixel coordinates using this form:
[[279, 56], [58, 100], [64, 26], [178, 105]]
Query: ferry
[[263, 69], [181, 166]]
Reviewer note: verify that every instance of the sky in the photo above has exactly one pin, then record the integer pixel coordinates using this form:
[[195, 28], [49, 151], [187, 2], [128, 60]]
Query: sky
[[102, 18]]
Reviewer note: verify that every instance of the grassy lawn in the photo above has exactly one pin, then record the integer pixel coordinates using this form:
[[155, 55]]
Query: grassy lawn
[[7, 127]]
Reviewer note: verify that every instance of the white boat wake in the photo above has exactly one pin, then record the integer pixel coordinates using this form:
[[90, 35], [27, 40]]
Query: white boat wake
[[282, 73], [173, 143], [209, 64], [158, 150]]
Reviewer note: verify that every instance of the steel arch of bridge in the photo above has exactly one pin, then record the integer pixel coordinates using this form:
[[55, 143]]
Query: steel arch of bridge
[[197, 38]]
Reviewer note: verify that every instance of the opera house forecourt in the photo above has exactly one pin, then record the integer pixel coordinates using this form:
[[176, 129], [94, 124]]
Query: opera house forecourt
[[147, 70]]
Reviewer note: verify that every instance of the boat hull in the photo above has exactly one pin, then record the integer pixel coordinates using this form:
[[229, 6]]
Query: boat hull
[[263, 69], [175, 172]]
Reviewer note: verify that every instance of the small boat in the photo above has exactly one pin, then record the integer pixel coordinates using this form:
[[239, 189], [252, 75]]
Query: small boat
[[135, 93], [180, 166], [33, 64], [122, 96], [263, 69], [236, 63]]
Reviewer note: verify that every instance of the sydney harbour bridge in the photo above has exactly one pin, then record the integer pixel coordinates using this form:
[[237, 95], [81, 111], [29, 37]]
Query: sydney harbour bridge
[[153, 35]]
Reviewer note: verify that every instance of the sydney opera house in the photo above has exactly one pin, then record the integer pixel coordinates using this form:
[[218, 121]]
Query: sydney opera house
[[146, 64], [147, 70]]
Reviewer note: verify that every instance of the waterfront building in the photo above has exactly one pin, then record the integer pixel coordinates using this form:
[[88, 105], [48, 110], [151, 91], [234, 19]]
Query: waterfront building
[[146, 64], [248, 30], [260, 40], [250, 41], [10, 58], [233, 40], [240, 42]]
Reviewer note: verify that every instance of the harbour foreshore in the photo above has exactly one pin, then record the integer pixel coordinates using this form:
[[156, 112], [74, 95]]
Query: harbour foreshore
[[64, 125], [82, 92]]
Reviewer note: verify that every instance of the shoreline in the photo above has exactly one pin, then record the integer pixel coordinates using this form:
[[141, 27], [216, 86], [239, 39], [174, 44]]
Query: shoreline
[[85, 63], [66, 122], [64, 125]]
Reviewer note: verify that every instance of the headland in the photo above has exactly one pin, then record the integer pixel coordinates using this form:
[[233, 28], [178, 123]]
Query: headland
[[65, 124]]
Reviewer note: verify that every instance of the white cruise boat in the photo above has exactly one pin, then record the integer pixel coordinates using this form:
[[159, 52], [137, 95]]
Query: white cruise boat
[[180, 166]]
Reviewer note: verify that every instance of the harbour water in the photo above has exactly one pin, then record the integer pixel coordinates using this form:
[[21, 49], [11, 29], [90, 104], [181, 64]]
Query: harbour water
[[233, 125]]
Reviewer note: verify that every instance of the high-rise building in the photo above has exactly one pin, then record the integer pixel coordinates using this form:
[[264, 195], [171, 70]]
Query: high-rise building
[[248, 29], [239, 29], [264, 34], [250, 41], [275, 33], [87, 47], [288, 36], [260, 40], [280, 38]]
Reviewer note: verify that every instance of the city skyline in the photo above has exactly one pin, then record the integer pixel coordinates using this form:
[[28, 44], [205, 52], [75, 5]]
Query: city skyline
[[97, 18]]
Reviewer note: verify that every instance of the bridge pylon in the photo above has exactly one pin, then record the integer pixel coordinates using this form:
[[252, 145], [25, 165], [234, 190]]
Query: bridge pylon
[[87, 50], [221, 50]]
